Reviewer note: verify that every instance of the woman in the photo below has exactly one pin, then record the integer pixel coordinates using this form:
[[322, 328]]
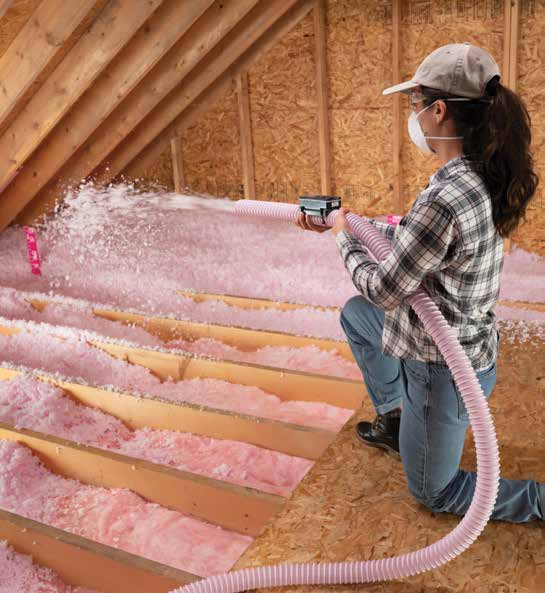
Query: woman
[[451, 243]]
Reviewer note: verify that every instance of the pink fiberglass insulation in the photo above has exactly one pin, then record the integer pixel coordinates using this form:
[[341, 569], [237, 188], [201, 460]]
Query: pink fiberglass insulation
[[309, 359], [73, 357], [26, 402], [14, 305], [18, 574], [523, 277], [115, 517], [112, 245]]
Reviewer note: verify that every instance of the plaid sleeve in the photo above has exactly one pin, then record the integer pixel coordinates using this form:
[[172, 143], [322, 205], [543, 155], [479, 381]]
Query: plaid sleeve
[[426, 243], [385, 228]]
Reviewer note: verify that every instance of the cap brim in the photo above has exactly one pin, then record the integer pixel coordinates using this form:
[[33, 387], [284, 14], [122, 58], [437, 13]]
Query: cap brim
[[401, 88]]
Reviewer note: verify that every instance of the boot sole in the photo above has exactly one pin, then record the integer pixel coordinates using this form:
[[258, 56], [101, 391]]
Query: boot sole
[[382, 446]]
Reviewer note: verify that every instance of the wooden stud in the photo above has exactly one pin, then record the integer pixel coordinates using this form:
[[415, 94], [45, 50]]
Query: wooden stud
[[36, 45], [230, 506], [177, 164], [510, 54], [135, 61], [246, 140], [319, 15], [205, 35], [113, 28], [398, 201], [258, 35], [85, 563], [141, 411]]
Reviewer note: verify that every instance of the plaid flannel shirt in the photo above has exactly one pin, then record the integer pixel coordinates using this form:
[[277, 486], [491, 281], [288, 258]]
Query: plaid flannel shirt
[[448, 244]]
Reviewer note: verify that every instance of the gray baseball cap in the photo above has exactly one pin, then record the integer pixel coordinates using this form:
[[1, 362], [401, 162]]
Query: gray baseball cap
[[461, 69]]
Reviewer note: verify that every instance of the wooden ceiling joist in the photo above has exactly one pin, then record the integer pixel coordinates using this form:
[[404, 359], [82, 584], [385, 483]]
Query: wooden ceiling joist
[[36, 45], [85, 563], [142, 411], [209, 30], [257, 34]]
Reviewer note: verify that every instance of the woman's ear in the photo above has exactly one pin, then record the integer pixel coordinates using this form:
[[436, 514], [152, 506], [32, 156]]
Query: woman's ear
[[440, 111]]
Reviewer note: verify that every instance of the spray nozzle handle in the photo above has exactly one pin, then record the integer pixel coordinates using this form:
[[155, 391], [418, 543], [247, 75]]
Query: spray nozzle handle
[[319, 205]]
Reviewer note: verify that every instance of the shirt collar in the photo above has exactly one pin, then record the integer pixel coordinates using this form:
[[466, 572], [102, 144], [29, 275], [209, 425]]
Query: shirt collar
[[456, 165]]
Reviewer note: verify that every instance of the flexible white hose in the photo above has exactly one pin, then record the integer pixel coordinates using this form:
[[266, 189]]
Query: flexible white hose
[[488, 467]]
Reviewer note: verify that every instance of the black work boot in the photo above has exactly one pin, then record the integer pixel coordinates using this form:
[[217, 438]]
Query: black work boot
[[383, 432]]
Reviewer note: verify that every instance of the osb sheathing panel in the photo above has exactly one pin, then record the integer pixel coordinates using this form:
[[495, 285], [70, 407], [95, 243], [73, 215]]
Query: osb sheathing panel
[[359, 41], [283, 106], [14, 20], [426, 25], [159, 175], [211, 154], [531, 86], [354, 504]]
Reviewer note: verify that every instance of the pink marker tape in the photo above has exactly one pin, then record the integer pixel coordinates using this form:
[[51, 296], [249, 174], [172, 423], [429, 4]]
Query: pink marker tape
[[33, 256], [393, 219]]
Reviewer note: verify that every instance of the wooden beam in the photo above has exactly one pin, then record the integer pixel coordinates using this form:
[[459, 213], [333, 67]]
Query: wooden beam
[[286, 384], [319, 15], [248, 302], [510, 55], [398, 201], [177, 163], [230, 506], [240, 50], [243, 338], [207, 32], [141, 411], [113, 28], [85, 563], [36, 45], [246, 141], [135, 61]]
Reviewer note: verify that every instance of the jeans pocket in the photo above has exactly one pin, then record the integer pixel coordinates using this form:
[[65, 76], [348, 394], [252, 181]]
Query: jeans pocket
[[487, 380]]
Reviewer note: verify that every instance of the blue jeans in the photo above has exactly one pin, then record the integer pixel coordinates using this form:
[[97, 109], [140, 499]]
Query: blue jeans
[[434, 422]]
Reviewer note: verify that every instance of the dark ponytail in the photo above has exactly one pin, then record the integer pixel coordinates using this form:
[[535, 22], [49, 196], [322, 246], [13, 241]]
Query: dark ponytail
[[496, 131]]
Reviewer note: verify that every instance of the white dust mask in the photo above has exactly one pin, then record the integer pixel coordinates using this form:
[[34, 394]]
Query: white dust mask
[[415, 129]]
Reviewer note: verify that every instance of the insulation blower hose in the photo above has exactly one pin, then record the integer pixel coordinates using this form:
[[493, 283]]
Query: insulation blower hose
[[488, 467]]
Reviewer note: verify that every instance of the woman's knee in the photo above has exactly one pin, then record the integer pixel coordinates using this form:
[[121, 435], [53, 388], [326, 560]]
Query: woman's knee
[[357, 311], [432, 498]]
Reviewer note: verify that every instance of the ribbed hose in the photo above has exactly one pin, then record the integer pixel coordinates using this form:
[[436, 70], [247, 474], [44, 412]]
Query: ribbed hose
[[488, 468]]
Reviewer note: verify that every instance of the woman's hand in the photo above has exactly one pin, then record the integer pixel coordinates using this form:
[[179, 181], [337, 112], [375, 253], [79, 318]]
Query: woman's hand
[[341, 224], [303, 221]]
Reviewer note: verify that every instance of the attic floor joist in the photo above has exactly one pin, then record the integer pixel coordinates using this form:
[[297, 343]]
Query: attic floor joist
[[243, 338], [142, 411], [255, 303], [233, 507], [286, 384], [82, 562]]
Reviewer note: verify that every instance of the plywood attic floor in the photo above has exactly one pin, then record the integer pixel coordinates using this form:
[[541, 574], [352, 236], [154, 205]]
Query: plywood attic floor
[[354, 504]]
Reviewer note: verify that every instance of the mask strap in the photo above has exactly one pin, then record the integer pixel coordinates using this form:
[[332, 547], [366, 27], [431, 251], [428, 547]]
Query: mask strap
[[445, 137]]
